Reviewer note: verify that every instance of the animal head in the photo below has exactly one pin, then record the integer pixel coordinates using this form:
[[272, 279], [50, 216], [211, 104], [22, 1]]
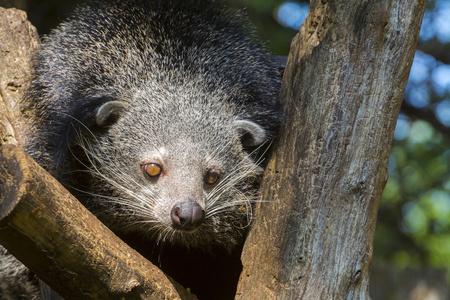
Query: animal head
[[174, 164]]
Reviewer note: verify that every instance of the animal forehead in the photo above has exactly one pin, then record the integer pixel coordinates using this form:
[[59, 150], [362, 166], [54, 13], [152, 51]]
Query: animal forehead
[[206, 150], [191, 123], [180, 116], [194, 135], [179, 90]]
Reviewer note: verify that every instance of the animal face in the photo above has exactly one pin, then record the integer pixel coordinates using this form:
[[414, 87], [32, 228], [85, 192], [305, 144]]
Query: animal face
[[173, 167]]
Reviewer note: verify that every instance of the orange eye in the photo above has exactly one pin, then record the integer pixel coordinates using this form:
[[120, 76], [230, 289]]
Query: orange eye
[[211, 177], [152, 169]]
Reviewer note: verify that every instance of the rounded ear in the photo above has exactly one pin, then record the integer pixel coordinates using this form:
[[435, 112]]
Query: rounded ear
[[251, 133], [109, 112]]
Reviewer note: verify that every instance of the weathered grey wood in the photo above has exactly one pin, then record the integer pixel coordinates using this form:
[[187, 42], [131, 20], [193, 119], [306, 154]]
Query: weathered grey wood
[[343, 86]]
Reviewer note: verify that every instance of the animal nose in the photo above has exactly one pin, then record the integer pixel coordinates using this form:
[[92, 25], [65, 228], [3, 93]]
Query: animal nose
[[187, 215]]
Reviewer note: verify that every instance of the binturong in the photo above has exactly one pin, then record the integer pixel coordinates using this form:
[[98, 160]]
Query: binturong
[[156, 115]]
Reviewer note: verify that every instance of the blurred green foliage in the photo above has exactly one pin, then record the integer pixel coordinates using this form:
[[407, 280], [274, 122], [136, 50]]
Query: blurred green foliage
[[414, 217]]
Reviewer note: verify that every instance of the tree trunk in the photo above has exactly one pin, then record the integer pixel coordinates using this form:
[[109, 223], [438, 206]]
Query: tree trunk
[[342, 90], [19, 39]]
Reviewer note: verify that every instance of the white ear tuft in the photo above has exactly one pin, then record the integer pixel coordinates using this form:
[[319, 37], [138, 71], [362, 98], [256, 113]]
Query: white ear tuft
[[109, 112], [251, 133]]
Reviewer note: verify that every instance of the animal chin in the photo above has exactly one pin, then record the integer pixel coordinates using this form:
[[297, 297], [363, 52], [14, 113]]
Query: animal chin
[[186, 230]]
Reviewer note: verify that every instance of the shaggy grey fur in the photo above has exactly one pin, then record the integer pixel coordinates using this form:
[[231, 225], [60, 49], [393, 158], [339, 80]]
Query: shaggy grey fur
[[180, 84], [119, 83]]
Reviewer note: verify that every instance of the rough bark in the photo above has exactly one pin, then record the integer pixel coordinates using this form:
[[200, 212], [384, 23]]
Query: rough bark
[[19, 39], [41, 223], [343, 87]]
